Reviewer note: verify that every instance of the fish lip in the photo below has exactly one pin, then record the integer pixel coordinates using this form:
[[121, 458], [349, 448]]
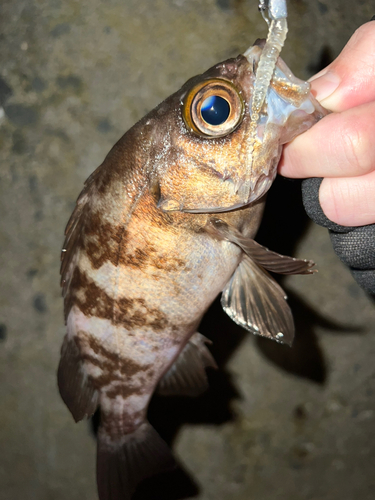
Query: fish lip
[[254, 52], [214, 210], [259, 42]]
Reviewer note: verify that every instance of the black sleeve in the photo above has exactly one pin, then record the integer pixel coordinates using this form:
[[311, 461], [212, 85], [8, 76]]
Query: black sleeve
[[355, 246]]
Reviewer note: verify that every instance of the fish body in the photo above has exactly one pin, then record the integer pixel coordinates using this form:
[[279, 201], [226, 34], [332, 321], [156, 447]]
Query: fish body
[[159, 230]]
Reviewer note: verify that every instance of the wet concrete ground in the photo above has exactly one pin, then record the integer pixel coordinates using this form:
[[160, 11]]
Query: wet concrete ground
[[280, 423]]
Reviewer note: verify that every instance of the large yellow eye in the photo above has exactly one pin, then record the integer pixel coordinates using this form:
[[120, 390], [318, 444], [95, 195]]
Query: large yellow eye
[[213, 108]]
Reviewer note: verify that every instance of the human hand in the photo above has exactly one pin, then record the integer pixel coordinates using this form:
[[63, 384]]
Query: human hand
[[340, 148]]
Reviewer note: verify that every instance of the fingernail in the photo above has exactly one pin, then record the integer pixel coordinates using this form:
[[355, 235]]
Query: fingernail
[[324, 85]]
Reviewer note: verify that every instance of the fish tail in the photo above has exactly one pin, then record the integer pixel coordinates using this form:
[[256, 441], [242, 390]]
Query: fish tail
[[123, 463]]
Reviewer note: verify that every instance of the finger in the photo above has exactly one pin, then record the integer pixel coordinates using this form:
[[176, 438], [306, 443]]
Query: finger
[[349, 80], [340, 145], [349, 201]]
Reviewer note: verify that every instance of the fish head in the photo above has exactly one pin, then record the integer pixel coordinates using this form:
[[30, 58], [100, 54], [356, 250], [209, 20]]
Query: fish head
[[205, 155]]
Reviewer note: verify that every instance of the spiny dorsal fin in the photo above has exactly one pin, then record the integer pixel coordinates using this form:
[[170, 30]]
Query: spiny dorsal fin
[[256, 302], [74, 230], [187, 376]]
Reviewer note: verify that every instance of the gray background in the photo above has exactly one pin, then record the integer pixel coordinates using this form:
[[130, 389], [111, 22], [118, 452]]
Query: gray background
[[286, 424]]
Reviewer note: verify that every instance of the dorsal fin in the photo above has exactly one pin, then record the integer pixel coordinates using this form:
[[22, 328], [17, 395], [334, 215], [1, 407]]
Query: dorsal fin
[[75, 386], [74, 230]]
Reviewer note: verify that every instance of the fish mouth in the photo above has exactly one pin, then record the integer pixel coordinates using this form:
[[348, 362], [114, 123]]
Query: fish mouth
[[277, 95], [259, 187], [254, 52]]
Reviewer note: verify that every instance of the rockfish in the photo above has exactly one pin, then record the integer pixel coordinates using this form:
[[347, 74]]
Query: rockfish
[[160, 229]]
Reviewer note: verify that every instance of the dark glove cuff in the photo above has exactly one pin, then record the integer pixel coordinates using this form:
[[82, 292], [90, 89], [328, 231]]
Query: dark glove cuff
[[310, 194], [365, 278], [355, 246]]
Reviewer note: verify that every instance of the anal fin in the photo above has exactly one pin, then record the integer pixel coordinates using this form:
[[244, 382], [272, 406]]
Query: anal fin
[[187, 376], [76, 388], [256, 302]]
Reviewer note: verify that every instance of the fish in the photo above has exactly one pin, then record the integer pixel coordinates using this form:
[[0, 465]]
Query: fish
[[160, 229]]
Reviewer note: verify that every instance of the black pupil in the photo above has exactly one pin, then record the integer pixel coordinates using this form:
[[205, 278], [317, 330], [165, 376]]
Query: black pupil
[[215, 110]]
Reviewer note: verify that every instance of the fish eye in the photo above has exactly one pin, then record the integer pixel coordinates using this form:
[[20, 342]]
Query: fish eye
[[213, 108]]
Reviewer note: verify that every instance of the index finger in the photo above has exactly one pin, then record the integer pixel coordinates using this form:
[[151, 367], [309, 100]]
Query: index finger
[[340, 145], [349, 80]]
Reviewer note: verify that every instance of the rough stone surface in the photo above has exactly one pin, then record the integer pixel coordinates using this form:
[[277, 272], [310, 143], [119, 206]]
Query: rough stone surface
[[280, 423]]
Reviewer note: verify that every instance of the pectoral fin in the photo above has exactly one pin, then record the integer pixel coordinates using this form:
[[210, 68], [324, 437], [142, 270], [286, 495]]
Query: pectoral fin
[[187, 376], [256, 302], [271, 261]]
